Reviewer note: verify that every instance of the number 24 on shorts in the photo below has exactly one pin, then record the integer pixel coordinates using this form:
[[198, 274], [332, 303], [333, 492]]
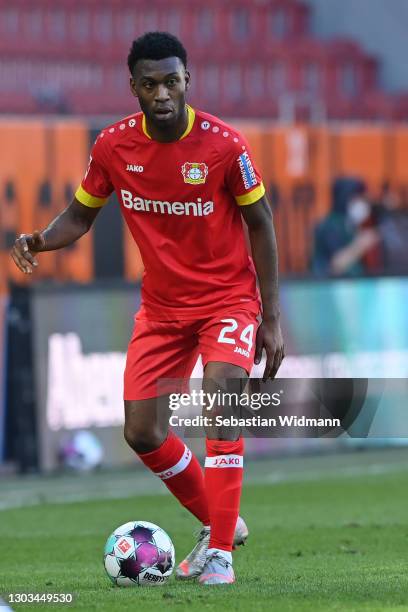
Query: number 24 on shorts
[[246, 337]]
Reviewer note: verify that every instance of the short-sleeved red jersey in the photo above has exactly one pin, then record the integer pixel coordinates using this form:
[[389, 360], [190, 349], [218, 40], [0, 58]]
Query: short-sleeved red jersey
[[181, 202]]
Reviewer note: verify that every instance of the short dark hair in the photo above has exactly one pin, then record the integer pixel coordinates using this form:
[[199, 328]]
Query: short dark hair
[[156, 46]]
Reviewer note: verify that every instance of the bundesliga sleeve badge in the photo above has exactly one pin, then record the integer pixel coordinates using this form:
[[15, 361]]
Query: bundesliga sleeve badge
[[194, 173]]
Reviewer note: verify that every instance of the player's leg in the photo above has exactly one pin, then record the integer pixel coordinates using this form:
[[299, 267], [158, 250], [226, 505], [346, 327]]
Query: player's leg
[[157, 352], [227, 346], [146, 426], [147, 433], [192, 566], [223, 468]]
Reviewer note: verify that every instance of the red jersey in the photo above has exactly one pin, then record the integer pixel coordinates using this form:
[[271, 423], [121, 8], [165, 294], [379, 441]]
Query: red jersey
[[181, 201]]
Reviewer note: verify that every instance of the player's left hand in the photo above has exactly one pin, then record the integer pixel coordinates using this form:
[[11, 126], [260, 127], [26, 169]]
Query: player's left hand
[[269, 337]]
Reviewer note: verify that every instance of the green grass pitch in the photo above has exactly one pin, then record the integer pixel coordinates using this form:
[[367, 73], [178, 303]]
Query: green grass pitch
[[334, 539]]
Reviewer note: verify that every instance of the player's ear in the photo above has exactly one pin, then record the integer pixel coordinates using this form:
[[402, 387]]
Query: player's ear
[[187, 78], [132, 84]]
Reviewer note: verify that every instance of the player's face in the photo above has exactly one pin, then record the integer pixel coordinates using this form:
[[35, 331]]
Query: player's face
[[160, 86]]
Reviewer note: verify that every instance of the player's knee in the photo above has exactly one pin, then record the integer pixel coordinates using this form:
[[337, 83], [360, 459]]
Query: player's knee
[[224, 371], [142, 439]]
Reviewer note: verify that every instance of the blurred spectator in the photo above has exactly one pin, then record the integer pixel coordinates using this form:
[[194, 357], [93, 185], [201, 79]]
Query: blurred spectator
[[391, 214], [387, 201], [373, 258], [340, 240]]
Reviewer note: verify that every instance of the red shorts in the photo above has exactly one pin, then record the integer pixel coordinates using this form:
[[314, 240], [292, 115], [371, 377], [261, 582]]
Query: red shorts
[[169, 350]]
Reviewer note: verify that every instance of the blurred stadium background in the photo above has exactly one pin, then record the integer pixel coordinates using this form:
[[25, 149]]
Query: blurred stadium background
[[320, 88]]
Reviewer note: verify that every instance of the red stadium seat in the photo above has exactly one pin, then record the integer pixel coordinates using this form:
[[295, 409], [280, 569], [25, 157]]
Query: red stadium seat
[[249, 59]]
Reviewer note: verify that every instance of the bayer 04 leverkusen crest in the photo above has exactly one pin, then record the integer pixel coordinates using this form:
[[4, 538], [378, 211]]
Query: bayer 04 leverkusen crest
[[194, 172]]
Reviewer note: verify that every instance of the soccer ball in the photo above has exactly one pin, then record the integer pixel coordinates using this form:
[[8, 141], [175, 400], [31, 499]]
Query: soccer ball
[[139, 554]]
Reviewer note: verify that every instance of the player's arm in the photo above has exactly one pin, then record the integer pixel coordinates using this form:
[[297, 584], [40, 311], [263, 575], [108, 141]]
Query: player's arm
[[65, 229], [258, 217], [245, 184]]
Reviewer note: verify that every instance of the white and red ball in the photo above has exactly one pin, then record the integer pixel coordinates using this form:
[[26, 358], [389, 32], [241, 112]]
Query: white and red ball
[[139, 553]]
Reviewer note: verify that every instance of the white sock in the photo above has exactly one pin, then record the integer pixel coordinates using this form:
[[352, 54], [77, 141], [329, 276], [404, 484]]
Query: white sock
[[225, 553]]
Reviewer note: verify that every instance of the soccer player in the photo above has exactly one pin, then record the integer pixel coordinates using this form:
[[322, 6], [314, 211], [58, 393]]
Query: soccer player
[[184, 180]]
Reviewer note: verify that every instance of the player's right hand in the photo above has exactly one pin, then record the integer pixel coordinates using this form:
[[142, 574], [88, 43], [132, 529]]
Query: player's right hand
[[23, 249]]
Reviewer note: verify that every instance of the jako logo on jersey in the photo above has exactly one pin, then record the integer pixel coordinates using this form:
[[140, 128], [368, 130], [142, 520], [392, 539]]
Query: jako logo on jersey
[[194, 173], [241, 351], [196, 209], [134, 168], [247, 170]]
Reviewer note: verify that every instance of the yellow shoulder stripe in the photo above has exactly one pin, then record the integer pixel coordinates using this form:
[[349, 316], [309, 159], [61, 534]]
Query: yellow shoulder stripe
[[252, 196], [89, 200], [191, 119]]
